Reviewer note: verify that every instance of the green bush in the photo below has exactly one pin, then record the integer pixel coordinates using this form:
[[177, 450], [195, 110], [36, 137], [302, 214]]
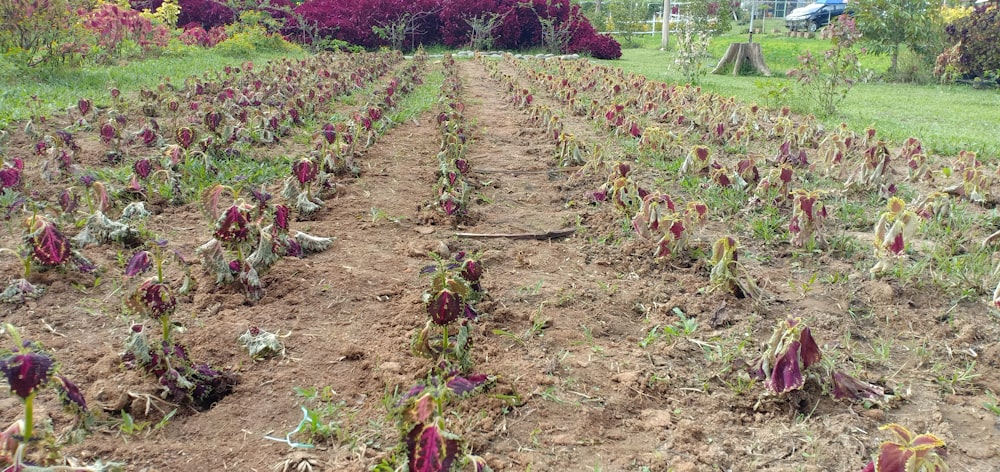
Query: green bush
[[979, 49], [42, 31], [253, 40]]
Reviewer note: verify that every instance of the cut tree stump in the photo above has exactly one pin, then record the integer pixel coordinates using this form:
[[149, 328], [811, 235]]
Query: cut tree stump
[[740, 56]]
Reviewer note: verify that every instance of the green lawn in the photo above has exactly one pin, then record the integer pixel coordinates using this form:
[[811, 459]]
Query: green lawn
[[946, 118], [56, 89]]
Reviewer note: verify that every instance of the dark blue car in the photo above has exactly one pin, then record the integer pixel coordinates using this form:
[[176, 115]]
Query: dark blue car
[[815, 16]]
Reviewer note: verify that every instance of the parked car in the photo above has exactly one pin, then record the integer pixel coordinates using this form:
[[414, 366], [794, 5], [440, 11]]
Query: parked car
[[815, 16]]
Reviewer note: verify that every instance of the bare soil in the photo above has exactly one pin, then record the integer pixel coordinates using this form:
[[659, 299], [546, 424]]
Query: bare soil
[[561, 330]]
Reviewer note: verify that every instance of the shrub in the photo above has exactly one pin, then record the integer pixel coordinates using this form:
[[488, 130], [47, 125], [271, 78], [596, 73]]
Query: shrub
[[207, 13], [197, 36], [34, 32], [120, 28], [556, 24], [826, 80], [254, 39], [978, 47]]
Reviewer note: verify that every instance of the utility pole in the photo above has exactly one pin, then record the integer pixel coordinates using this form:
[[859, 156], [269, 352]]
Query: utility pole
[[665, 41]]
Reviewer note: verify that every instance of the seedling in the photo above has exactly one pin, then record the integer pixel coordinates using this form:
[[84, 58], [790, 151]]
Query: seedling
[[728, 273], [895, 226], [43, 244], [28, 369], [808, 215], [167, 361], [908, 452], [790, 350]]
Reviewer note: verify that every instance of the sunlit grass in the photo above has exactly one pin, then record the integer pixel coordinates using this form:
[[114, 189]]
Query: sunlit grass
[[946, 118], [59, 88]]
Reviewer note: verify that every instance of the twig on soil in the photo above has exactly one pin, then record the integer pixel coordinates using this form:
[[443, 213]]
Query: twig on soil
[[559, 233], [532, 171], [51, 329]]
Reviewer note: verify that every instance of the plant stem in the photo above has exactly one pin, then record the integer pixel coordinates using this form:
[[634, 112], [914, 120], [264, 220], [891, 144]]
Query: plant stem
[[29, 409], [165, 325], [444, 341]]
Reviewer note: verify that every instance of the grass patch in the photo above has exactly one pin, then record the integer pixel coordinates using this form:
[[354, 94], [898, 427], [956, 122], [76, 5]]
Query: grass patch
[[57, 89], [946, 118]]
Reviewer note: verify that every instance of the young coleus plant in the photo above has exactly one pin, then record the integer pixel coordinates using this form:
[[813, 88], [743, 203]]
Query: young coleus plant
[[249, 239], [167, 361], [909, 452], [28, 369], [698, 161], [621, 189], [299, 187], [808, 215], [334, 146], [43, 245], [728, 273], [99, 229], [790, 350], [455, 289], [658, 219], [894, 228], [423, 412], [975, 183], [873, 172]]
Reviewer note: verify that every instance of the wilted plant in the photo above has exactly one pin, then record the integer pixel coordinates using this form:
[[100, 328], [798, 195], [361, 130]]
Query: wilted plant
[[908, 452], [698, 161], [912, 153], [261, 344], [895, 226], [28, 369], [430, 447], [299, 186], [808, 215], [975, 183], [43, 244], [790, 350], [728, 273], [872, 172], [99, 229], [624, 192], [455, 289], [659, 220], [832, 152], [334, 144], [775, 187], [249, 239], [167, 361]]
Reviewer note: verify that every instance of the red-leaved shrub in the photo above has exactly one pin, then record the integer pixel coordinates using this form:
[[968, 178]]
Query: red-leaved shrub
[[115, 25]]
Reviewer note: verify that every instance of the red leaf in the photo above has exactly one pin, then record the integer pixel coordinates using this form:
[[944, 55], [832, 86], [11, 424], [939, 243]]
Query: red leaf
[[49, 245], [429, 450]]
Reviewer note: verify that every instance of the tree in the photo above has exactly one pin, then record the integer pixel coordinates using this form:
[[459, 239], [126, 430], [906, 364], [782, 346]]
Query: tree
[[630, 17], [665, 40], [886, 25]]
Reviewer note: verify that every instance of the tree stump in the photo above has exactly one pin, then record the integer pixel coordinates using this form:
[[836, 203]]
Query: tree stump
[[740, 56]]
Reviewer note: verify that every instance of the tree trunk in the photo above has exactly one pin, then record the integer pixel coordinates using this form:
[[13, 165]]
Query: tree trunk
[[597, 9], [740, 56], [665, 41]]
